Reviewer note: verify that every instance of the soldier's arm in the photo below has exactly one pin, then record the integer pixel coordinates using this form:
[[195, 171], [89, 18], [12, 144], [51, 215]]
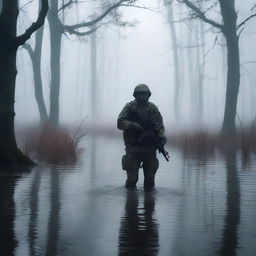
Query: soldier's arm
[[123, 122]]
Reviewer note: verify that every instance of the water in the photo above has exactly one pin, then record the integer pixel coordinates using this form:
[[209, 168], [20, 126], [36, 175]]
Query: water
[[199, 207]]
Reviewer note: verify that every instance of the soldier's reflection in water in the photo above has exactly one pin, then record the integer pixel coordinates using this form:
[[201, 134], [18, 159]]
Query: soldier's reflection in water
[[138, 233]]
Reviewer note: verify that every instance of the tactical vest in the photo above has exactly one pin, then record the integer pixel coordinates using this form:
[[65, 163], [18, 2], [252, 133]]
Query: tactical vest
[[144, 116]]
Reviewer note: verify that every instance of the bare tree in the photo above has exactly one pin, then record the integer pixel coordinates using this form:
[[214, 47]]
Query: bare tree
[[57, 29], [9, 43], [229, 28], [191, 67], [94, 80], [115, 18], [175, 49], [200, 41], [35, 56]]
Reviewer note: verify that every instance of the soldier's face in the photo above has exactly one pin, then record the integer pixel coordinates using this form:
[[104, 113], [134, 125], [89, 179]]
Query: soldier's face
[[142, 97]]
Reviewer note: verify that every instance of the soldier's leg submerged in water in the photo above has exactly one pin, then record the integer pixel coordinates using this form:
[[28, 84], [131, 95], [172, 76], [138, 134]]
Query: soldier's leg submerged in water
[[150, 166], [132, 165]]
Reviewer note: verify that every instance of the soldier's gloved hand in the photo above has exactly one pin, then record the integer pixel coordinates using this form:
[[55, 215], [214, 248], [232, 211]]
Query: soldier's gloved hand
[[137, 127], [163, 140]]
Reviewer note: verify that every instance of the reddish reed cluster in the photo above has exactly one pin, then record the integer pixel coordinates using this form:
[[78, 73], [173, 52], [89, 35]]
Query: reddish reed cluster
[[247, 143], [203, 143], [54, 146], [197, 142], [199, 145]]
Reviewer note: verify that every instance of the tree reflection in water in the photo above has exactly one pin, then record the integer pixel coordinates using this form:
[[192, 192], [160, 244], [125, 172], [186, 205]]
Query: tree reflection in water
[[8, 242], [54, 222], [138, 233], [34, 204], [232, 218]]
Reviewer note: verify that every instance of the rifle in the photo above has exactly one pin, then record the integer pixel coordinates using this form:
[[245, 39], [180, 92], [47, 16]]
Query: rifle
[[150, 135]]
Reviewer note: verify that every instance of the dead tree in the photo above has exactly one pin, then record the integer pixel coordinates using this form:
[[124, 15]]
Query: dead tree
[[9, 43], [35, 56], [57, 29], [200, 72], [176, 61], [94, 80], [229, 28]]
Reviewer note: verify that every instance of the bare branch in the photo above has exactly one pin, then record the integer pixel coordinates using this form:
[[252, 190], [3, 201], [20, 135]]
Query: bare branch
[[140, 7], [200, 14], [78, 33], [248, 62], [64, 6], [247, 19], [190, 46], [102, 16], [29, 2], [20, 40], [29, 49], [240, 32]]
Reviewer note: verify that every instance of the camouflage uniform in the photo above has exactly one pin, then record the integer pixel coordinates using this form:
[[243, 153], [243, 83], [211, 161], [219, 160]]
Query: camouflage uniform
[[139, 154]]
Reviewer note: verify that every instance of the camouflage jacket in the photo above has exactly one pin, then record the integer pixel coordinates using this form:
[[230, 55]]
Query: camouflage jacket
[[133, 115]]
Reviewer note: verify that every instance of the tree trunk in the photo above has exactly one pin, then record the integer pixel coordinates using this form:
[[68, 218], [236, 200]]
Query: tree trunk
[[94, 82], [7, 89], [191, 71], [233, 82], [55, 43], [36, 65], [35, 57], [233, 77], [176, 65], [201, 68], [38, 77], [9, 153]]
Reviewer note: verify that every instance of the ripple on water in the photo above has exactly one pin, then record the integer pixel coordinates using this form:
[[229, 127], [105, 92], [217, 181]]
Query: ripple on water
[[197, 208]]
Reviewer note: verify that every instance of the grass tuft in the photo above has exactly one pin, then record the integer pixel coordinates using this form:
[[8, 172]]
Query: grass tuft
[[53, 146], [203, 144]]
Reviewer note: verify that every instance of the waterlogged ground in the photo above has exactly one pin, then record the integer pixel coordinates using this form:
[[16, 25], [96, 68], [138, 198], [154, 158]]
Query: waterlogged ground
[[199, 207]]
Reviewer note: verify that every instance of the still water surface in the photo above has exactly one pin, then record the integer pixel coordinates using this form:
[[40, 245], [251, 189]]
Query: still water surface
[[199, 207]]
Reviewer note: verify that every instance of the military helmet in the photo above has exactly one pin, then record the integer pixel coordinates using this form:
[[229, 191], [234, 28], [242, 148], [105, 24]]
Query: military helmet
[[141, 88]]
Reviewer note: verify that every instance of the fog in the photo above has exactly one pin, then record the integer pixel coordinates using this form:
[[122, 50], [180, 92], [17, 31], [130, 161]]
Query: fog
[[127, 56], [58, 181]]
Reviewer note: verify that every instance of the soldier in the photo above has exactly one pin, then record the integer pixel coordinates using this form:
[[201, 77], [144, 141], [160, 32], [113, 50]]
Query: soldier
[[134, 120]]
